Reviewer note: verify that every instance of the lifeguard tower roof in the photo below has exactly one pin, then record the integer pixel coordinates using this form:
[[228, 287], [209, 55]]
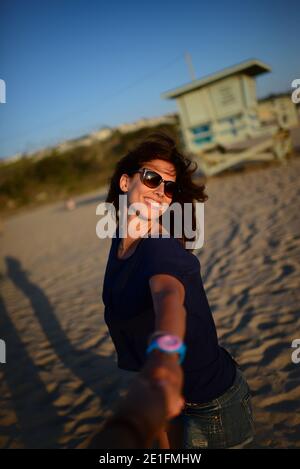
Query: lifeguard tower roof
[[251, 67]]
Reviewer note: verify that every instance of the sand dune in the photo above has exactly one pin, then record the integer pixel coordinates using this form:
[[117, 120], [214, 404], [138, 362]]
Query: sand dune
[[61, 380]]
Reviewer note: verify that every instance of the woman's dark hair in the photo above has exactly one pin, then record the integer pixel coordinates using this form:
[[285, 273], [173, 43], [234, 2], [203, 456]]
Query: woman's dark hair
[[161, 146]]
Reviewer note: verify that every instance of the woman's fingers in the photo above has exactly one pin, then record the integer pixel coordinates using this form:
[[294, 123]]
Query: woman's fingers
[[175, 401]]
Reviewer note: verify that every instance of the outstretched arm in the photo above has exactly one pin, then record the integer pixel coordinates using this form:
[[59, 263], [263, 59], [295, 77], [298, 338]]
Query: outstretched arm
[[168, 299]]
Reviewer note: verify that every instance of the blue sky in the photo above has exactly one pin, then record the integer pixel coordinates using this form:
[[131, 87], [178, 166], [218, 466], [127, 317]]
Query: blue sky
[[72, 66]]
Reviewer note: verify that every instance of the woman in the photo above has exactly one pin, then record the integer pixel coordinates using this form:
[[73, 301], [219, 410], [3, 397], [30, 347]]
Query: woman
[[155, 302]]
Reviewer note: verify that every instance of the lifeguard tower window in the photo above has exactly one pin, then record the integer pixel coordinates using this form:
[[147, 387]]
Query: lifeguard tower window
[[202, 134], [231, 125]]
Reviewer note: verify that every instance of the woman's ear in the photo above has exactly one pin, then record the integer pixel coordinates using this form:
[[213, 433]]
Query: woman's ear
[[124, 179]]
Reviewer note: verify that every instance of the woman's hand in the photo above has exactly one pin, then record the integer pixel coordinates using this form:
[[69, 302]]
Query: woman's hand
[[153, 398], [163, 370]]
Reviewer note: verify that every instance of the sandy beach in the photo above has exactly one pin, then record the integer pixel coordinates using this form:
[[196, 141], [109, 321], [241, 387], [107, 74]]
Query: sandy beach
[[61, 379]]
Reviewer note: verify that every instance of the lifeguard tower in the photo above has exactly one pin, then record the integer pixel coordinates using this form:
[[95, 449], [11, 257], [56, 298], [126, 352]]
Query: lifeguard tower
[[219, 118]]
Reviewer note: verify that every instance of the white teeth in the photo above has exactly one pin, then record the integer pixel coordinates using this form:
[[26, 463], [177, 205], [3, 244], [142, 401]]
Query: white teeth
[[153, 202]]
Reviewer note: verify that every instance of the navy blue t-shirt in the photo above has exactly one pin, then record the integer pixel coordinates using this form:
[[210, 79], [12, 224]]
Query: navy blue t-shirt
[[209, 369]]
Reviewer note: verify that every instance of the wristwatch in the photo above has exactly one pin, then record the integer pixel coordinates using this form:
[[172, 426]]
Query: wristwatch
[[168, 343]]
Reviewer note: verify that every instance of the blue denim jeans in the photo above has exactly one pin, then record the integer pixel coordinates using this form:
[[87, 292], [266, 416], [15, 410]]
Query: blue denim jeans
[[225, 422]]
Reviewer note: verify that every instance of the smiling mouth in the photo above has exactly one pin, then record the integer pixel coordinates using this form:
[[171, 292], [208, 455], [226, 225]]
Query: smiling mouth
[[152, 203]]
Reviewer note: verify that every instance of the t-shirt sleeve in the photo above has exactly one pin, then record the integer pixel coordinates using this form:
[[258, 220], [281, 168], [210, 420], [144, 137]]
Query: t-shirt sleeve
[[168, 256]]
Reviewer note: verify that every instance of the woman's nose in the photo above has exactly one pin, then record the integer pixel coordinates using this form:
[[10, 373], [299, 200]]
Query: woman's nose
[[160, 189]]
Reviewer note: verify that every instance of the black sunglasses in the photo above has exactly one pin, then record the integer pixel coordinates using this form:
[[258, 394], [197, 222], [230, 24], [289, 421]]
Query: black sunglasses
[[152, 179]]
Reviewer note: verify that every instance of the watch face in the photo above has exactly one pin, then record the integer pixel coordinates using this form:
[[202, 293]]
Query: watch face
[[169, 342]]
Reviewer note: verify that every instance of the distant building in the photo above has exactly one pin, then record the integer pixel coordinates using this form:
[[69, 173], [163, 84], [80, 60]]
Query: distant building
[[278, 109], [147, 122], [86, 140], [103, 134], [220, 108]]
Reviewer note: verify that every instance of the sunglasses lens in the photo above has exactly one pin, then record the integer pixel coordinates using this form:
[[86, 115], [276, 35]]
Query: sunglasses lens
[[170, 188], [152, 179]]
